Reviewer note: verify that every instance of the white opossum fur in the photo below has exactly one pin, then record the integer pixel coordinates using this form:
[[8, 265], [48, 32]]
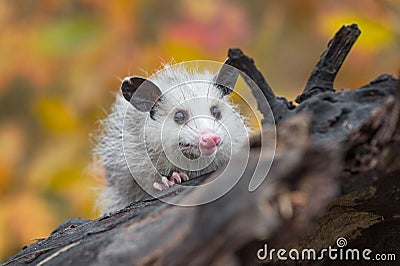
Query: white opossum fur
[[122, 146]]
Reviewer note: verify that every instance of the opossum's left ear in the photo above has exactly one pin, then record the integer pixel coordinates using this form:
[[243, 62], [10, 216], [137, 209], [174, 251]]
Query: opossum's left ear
[[226, 78], [140, 92]]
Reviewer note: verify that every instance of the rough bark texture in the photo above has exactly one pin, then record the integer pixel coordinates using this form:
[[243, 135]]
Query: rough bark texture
[[335, 174]]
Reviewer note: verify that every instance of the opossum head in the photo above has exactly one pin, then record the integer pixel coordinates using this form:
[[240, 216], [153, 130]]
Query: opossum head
[[189, 114]]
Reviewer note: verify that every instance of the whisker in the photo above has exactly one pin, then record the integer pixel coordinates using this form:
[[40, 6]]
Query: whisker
[[194, 130]]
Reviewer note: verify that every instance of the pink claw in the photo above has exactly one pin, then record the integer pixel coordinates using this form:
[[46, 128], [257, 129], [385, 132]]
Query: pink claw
[[166, 182], [184, 176], [176, 177]]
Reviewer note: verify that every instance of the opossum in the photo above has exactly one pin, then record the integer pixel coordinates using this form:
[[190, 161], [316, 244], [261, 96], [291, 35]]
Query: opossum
[[163, 130]]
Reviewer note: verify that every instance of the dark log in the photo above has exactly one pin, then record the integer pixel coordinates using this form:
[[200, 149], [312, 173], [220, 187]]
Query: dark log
[[335, 174], [324, 73]]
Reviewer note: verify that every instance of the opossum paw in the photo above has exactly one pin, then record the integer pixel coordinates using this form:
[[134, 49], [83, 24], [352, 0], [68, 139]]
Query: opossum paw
[[165, 183], [175, 178]]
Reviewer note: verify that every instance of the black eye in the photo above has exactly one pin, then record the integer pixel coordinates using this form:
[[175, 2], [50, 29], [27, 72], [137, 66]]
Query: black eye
[[215, 112], [180, 117]]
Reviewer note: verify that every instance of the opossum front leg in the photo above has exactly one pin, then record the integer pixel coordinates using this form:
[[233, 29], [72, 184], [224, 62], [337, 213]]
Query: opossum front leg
[[175, 178]]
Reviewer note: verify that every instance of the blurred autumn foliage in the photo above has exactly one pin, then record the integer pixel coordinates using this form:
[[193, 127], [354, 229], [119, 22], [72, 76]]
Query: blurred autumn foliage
[[60, 64]]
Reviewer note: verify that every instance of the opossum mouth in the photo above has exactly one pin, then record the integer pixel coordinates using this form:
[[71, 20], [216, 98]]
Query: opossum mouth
[[191, 151]]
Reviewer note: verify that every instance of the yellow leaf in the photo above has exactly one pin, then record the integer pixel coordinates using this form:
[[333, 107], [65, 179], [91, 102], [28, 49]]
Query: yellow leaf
[[375, 34], [56, 115]]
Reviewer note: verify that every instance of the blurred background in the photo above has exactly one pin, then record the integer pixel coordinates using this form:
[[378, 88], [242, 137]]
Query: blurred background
[[60, 64]]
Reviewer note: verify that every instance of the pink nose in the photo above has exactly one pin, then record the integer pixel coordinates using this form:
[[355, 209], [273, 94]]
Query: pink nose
[[209, 139], [208, 142]]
